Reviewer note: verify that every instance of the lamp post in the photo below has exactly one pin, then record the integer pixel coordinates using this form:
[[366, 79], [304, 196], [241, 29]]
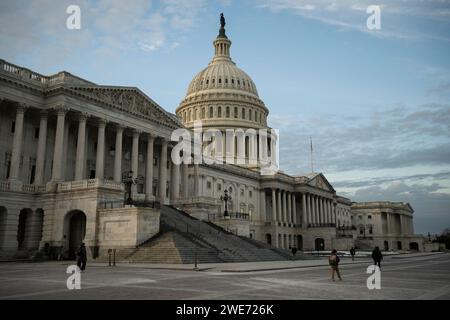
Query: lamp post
[[225, 198], [128, 180]]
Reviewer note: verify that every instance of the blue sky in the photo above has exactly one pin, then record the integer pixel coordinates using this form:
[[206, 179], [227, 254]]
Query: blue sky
[[376, 103]]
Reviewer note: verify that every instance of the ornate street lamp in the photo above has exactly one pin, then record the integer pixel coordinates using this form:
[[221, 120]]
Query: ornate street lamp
[[129, 181], [225, 198]]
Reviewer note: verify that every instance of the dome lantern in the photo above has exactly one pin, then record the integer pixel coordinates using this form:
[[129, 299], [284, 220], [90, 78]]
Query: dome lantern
[[222, 44]]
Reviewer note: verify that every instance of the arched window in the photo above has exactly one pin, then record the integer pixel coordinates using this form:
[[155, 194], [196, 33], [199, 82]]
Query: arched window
[[203, 113], [228, 112], [235, 112], [250, 115], [211, 112], [243, 113], [219, 112], [256, 116]]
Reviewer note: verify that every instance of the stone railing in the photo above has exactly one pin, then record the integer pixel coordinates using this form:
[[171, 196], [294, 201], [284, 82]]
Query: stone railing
[[89, 184], [199, 199], [18, 186], [35, 78]]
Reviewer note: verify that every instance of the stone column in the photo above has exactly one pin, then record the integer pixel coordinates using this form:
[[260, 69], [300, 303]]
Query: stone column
[[59, 145], [308, 209], [41, 149], [274, 207], [118, 154], [196, 181], [185, 183], [81, 147], [294, 209], [17, 144], [334, 213], [175, 182], [135, 157], [290, 218], [163, 172], [388, 223], [324, 211], [100, 157], [262, 205], [149, 168], [330, 210], [285, 220], [313, 209], [304, 213], [279, 210]]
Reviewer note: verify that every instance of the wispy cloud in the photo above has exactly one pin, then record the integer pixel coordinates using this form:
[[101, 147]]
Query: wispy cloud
[[351, 15], [106, 25]]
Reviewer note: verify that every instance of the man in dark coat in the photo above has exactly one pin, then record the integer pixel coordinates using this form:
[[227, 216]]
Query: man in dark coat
[[352, 253], [377, 256], [81, 257]]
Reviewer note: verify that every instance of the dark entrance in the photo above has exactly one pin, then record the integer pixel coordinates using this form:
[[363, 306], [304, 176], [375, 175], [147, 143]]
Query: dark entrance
[[414, 246], [21, 230], [269, 238], [319, 244], [386, 246], [299, 242], [77, 231]]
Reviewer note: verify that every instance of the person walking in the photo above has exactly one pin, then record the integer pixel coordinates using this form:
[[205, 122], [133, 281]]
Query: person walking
[[377, 256], [81, 257], [352, 253], [334, 263]]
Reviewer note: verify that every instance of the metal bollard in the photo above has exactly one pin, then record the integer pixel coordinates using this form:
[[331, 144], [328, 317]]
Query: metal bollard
[[195, 261], [109, 257], [114, 257]]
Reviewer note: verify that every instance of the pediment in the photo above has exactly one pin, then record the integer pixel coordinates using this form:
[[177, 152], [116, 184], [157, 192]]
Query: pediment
[[319, 181], [129, 99]]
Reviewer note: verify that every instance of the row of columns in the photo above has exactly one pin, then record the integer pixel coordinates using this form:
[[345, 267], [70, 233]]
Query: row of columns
[[316, 210], [284, 207], [319, 210], [80, 159]]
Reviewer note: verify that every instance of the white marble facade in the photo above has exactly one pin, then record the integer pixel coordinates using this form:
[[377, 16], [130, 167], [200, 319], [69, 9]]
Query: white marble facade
[[65, 143]]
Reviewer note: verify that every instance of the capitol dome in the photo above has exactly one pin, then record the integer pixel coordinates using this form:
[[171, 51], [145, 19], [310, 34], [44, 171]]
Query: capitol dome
[[222, 95]]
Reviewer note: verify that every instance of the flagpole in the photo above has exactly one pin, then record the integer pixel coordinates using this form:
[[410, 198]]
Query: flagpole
[[312, 162]]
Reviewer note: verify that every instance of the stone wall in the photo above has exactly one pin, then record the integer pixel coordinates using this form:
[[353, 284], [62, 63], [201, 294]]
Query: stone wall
[[126, 227]]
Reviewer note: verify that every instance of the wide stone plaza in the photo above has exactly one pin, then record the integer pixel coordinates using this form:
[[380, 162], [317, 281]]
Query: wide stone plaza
[[409, 276]]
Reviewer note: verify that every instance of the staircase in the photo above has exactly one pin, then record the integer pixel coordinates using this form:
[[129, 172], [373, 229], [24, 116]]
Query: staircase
[[184, 239]]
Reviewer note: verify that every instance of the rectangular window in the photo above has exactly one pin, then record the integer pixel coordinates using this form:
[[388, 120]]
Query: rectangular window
[[36, 133], [155, 161], [208, 184], [13, 126]]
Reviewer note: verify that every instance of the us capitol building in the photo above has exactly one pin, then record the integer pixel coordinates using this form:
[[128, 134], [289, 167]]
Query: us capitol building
[[67, 144]]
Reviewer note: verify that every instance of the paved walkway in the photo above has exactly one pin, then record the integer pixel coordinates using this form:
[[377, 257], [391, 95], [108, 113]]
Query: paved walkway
[[262, 266], [421, 276]]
